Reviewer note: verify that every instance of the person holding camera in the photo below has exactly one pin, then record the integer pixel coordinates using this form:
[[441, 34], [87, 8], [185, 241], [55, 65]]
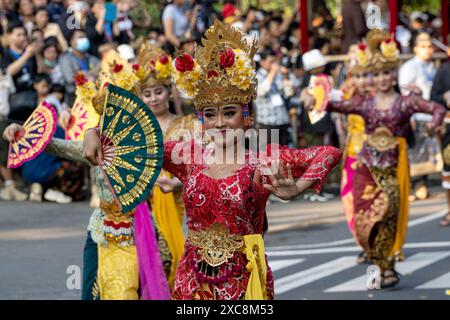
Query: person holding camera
[[49, 29], [108, 23], [76, 59], [9, 191], [19, 60], [271, 111]]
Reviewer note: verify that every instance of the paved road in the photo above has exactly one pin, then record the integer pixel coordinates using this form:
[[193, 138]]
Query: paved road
[[318, 260], [309, 249]]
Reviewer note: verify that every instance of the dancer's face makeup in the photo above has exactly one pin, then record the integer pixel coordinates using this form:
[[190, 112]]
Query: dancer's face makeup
[[157, 99], [223, 122], [384, 80], [363, 82]]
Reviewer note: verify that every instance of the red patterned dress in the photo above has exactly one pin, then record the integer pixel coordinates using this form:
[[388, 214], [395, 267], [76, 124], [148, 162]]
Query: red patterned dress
[[236, 202]]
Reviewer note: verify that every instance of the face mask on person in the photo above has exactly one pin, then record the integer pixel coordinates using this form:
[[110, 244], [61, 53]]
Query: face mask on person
[[50, 64], [83, 44]]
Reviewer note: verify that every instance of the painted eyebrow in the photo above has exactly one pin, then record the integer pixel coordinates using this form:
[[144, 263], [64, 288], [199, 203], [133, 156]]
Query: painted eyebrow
[[229, 108]]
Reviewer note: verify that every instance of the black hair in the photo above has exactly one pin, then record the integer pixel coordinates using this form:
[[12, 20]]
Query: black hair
[[42, 77], [416, 36], [286, 62], [37, 30], [276, 19], [155, 29], [50, 42], [41, 8], [266, 53], [319, 43], [73, 32], [15, 24], [58, 88], [298, 62]]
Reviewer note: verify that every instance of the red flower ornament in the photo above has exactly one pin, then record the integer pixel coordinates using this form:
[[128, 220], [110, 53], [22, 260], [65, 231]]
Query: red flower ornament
[[213, 73], [164, 59], [117, 68], [184, 63], [80, 79], [227, 58]]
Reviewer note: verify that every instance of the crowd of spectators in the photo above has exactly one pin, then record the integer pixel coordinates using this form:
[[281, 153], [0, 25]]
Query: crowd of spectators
[[44, 43]]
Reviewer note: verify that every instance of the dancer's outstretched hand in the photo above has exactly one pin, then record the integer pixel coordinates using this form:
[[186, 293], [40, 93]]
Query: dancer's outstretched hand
[[64, 119], [281, 184], [13, 132], [307, 99], [92, 147]]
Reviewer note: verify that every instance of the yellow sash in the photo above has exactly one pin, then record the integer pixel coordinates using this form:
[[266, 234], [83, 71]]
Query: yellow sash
[[118, 272], [355, 135], [403, 181], [167, 217], [254, 250]]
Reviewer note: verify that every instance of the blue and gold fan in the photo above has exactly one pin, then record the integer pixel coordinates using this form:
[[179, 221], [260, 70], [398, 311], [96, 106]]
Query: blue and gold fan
[[132, 145]]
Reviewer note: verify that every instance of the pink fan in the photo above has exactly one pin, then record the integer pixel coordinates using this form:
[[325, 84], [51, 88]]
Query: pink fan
[[39, 129]]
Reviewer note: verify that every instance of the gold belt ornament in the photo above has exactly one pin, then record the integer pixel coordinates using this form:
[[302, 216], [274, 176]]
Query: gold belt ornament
[[382, 139], [113, 212], [216, 244], [117, 225]]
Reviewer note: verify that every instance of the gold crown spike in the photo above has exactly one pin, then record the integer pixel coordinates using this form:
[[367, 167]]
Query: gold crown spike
[[153, 67], [379, 52], [223, 71]]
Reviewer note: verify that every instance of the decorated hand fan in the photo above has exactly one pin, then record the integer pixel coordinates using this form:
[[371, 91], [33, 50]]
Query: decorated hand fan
[[132, 145], [39, 129], [83, 117], [320, 88]]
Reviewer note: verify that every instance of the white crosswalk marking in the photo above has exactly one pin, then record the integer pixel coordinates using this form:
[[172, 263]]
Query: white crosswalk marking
[[442, 282], [281, 264], [411, 264], [302, 278]]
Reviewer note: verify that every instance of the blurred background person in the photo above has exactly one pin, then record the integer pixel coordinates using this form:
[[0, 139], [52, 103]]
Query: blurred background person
[[416, 77], [19, 60], [77, 59], [354, 23], [175, 23], [9, 191]]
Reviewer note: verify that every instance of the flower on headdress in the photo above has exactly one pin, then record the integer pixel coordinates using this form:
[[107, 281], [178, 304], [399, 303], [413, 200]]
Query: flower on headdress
[[389, 49], [187, 74], [80, 79], [124, 76], [227, 58], [139, 71], [184, 63], [363, 55], [117, 68], [212, 73], [242, 73], [164, 59], [163, 68], [85, 89]]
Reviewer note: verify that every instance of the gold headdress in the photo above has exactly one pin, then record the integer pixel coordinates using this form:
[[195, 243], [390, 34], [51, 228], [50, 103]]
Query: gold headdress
[[154, 66], [117, 71], [378, 52], [114, 70], [223, 70]]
